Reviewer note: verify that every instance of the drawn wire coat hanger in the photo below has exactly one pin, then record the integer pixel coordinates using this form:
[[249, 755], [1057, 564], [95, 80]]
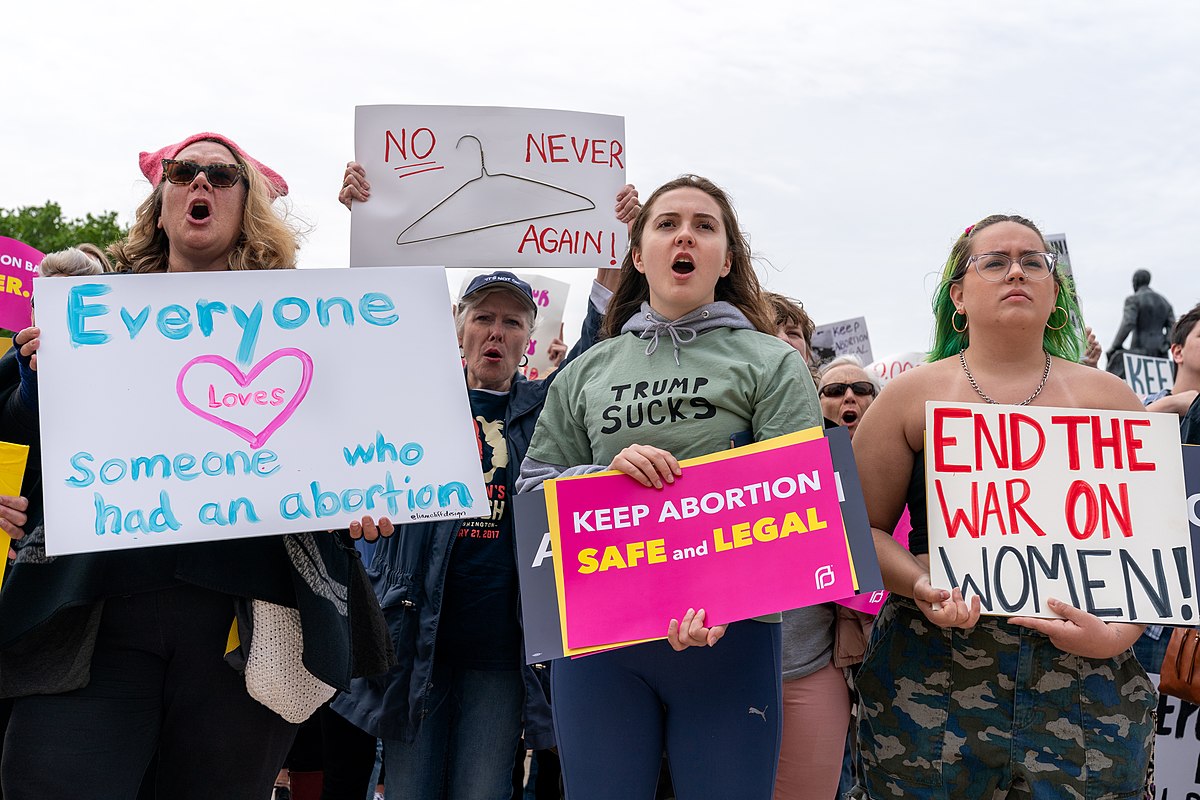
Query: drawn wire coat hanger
[[475, 183]]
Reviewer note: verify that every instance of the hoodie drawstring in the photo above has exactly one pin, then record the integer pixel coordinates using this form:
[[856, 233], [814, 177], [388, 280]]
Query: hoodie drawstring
[[676, 331]]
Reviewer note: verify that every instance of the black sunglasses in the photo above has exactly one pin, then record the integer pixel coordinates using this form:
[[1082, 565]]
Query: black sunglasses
[[221, 176], [860, 388]]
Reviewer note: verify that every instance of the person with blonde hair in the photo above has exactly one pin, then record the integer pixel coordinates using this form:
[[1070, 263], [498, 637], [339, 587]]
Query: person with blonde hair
[[117, 657]]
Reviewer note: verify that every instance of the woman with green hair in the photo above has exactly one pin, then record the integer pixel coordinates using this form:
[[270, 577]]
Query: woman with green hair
[[952, 704]]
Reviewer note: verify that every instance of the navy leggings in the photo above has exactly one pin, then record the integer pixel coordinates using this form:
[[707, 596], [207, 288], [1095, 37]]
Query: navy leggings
[[716, 712]]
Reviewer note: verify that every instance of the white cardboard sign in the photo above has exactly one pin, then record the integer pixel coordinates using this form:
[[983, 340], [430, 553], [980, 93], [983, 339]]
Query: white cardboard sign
[[889, 367], [1147, 375], [1176, 746], [843, 338], [1085, 506], [487, 187], [201, 406]]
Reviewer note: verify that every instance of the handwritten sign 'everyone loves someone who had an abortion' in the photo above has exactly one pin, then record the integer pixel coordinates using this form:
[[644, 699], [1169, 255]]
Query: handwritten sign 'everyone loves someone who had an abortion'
[[249, 403]]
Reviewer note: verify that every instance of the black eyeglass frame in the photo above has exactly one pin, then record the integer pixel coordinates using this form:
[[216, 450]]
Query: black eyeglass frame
[[839, 389]]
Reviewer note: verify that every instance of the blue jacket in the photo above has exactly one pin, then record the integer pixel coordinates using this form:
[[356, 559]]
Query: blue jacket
[[409, 573]]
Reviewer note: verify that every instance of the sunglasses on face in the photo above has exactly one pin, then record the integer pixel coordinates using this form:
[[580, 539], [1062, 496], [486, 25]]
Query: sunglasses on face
[[221, 176], [860, 388]]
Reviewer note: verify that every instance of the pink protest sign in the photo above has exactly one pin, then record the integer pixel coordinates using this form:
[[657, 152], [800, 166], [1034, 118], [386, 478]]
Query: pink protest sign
[[871, 603], [18, 265], [736, 539]]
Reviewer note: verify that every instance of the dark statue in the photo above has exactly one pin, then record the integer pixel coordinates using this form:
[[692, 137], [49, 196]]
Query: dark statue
[[1149, 317]]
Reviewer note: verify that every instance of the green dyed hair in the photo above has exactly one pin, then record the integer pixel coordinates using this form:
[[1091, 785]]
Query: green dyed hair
[[1065, 343]]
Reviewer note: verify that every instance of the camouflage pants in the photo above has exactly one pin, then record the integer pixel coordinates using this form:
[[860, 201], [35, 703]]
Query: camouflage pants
[[997, 712]]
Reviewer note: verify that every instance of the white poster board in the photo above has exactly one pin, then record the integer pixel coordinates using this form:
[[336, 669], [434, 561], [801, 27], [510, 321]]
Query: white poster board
[[1088, 507], [843, 338], [889, 367], [1058, 246], [551, 298], [468, 186], [201, 406], [1176, 747], [1147, 375]]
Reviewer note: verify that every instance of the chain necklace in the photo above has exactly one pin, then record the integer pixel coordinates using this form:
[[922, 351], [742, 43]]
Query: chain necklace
[[962, 359]]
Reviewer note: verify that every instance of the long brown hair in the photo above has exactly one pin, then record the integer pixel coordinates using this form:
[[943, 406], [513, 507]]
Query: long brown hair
[[740, 287]]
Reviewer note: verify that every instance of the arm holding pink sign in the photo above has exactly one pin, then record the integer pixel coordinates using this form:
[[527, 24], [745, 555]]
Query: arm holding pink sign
[[689, 359]]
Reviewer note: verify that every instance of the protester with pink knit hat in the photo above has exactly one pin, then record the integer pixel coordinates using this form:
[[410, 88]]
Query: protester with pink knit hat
[[117, 657]]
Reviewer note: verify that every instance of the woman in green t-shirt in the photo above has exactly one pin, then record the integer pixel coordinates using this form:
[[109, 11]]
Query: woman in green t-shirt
[[690, 361]]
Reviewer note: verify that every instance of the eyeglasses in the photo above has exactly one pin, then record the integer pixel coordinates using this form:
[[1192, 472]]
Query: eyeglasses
[[221, 176], [860, 388], [995, 266]]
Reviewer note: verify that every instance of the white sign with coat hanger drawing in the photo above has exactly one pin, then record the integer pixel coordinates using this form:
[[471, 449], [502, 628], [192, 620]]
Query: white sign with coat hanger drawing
[[474, 186]]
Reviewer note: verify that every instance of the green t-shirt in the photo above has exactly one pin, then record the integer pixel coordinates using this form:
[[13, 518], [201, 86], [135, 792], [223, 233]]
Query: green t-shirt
[[727, 382]]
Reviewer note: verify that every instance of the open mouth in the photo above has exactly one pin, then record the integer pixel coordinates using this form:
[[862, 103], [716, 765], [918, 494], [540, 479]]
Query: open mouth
[[849, 417], [199, 210], [493, 354], [683, 267]]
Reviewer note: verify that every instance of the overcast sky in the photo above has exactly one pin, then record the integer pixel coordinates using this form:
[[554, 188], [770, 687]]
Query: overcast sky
[[858, 139]]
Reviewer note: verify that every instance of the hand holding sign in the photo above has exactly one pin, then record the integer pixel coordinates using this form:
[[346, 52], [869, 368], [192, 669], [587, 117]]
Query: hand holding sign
[[692, 633], [355, 186], [645, 464], [13, 519], [368, 530], [945, 609], [1081, 633], [29, 340], [1030, 502]]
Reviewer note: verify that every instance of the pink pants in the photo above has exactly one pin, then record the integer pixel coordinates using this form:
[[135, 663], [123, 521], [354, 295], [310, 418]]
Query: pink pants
[[816, 716]]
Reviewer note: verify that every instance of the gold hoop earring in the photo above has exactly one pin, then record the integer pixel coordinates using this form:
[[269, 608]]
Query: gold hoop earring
[[957, 329], [1066, 319]]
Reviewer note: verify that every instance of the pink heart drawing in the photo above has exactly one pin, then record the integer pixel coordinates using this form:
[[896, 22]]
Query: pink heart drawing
[[244, 379]]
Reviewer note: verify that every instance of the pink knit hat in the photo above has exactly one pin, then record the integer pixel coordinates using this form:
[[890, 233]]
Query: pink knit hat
[[151, 163]]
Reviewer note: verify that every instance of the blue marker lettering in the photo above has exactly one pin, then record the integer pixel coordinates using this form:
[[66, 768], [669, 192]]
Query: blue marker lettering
[[146, 464], [184, 465], [373, 303], [204, 310], [250, 325], [174, 322], [282, 320], [106, 474], [134, 324], [86, 476], [78, 311], [323, 306]]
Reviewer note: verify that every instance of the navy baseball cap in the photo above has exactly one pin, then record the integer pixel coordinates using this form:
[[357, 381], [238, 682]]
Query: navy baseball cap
[[502, 279]]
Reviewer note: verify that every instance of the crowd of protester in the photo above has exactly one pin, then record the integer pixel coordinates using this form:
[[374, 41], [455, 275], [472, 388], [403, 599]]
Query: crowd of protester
[[120, 682]]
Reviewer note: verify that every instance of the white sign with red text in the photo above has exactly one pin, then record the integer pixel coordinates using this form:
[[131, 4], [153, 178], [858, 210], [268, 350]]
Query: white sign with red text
[[1081, 505], [474, 186]]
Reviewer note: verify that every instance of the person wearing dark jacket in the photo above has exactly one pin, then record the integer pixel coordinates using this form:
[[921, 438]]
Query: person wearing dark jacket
[[452, 710], [116, 657]]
